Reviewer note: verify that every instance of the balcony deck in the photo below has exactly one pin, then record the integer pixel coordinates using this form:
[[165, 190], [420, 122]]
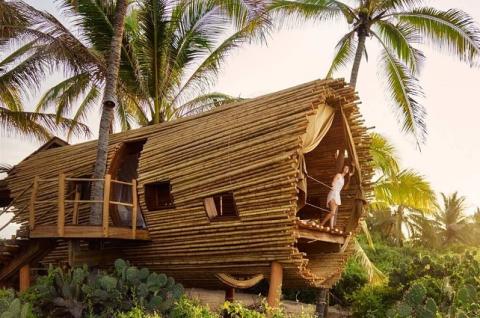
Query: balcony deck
[[311, 230]]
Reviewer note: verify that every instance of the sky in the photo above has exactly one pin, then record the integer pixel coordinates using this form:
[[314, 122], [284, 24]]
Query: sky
[[450, 158]]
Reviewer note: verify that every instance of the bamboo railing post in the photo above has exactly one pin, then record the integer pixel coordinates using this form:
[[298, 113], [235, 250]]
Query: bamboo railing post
[[76, 202], [61, 205], [33, 197], [134, 208], [106, 204]]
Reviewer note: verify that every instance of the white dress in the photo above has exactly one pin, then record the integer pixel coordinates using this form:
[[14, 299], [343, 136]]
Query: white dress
[[334, 193]]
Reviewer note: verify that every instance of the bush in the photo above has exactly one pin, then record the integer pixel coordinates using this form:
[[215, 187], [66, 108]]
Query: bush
[[186, 308], [137, 312], [373, 301], [12, 307], [78, 292], [353, 279]]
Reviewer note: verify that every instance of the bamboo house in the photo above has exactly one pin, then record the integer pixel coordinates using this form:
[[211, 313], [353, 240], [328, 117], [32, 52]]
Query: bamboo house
[[223, 199]]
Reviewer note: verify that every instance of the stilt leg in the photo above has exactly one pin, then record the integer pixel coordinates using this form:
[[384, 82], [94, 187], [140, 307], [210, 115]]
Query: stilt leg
[[321, 308], [24, 278], [229, 294], [275, 288]]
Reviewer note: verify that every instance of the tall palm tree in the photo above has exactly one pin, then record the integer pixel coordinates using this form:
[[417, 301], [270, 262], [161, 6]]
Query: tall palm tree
[[452, 220], [397, 26], [108, 104]]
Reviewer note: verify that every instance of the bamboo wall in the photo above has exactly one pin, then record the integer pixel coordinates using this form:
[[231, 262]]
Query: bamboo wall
[[251, 148]]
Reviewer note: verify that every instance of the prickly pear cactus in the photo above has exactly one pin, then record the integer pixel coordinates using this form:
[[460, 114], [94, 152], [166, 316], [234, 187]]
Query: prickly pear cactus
[[415, 304]]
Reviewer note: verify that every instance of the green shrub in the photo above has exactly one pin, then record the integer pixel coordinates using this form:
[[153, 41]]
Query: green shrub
[[186, 308], [415, 303], [78, 292], [137, 312], [353, 279], [373, 301], [12, 307]]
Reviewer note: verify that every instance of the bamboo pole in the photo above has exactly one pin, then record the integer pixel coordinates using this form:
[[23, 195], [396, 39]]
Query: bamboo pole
[[61, 205], [134, 208], [275, 286], [106, 204], [33, 198]]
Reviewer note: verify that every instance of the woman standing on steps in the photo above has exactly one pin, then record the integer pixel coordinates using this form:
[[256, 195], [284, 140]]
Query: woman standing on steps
[[333, 198]]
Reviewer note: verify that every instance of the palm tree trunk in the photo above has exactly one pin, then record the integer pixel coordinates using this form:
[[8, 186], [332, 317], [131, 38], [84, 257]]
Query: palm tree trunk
[[362, 36], [398, 225], [109, 101]]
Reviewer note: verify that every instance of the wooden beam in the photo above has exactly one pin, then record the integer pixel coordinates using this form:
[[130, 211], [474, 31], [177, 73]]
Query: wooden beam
[[106, 204], [76, 202], [229, 294], [134, 208], [33, 197], [320, 236], [275, 288], [24, 278], [61, 205], [88, 231]]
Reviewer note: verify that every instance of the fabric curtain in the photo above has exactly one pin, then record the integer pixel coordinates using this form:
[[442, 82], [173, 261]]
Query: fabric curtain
[[318, 126]]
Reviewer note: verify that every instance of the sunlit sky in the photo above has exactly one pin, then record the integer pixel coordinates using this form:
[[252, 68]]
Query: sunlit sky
[[450, 158]]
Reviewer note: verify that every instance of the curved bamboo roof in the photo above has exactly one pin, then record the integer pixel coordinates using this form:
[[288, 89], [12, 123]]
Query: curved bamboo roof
[[252, 148]]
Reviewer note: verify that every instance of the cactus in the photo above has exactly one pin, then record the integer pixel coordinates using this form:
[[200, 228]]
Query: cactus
[[416, 304], [18, 310]]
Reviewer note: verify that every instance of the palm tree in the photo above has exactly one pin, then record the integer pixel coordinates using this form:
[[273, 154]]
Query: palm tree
[[171, 52], [399, 194], [452, 220], [397, 26], [15, 23], [108, 104]]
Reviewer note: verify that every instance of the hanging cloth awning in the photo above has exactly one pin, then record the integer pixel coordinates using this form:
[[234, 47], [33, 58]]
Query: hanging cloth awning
[[318, 126]]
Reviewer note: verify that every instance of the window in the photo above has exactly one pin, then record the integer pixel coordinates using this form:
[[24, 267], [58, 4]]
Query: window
[[221, 206], [158, 195]]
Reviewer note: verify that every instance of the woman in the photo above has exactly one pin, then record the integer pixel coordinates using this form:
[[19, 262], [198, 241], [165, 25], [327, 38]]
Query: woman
[[333, 198]]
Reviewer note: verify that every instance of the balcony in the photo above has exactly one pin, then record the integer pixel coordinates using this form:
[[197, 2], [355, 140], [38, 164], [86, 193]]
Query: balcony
[[43, 223]]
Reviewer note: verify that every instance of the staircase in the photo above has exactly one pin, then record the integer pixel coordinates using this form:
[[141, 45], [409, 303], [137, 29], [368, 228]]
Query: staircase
[[18, 252]]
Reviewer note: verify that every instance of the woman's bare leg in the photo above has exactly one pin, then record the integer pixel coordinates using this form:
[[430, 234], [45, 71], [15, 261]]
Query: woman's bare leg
[[333, 207]]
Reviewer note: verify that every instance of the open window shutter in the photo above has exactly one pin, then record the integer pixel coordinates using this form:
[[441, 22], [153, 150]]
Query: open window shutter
[[210, 207]]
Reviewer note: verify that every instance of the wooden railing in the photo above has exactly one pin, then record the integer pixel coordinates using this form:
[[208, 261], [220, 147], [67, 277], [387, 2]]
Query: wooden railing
[[76, 201]]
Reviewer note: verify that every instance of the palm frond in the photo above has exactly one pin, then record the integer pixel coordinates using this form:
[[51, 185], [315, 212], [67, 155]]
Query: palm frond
[[38, 125], [375, 276], [203, 103], [344, 53], [453, 30], [289, 12], [90, 100], [400, 38], [384, 155], [403, 89]]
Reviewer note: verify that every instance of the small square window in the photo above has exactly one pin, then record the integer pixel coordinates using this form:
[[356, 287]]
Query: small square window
[[221, 206], [158, 195], [79, 190]]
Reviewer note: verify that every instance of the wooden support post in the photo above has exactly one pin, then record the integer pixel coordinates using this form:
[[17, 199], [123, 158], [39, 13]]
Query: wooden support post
[[321, 303], [275, 288], [33, 197], [229, 294], [76, 202], [24, 278], [106, 204], [61, 205], [134, 208]]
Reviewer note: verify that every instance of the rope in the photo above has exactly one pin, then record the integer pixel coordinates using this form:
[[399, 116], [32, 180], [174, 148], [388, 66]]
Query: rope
[[317, 207], [318, 181]]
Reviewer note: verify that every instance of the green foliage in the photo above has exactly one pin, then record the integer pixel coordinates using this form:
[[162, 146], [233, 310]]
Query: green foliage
[[137, 312], [372, 301], [76, 292], [353, 279], [415, 303], [186, 308], [13, 307]]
